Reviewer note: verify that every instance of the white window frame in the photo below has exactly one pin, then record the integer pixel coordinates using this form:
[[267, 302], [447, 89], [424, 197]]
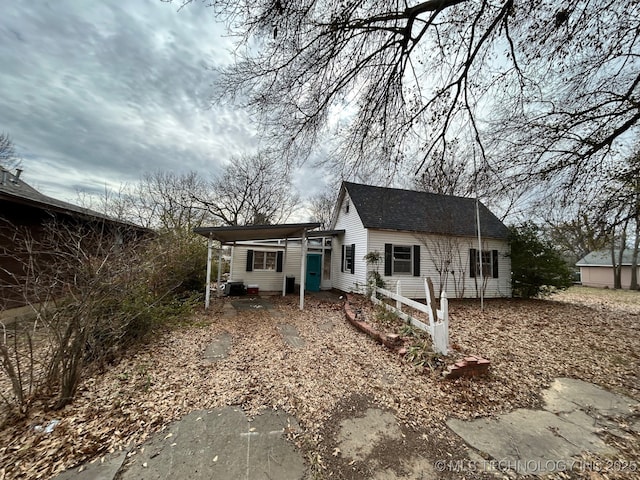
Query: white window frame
[[404, 260], [264, 265], [487, 259]]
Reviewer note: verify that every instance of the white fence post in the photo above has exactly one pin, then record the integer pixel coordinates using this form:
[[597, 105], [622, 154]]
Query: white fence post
[[438, 326], [444, 305], [399, 292]]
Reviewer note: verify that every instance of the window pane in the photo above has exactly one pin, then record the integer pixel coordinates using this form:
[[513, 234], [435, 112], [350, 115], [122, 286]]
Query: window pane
[[402, 259], [326, 269], [486, 263], [401, 266], [270, 262], [258, 260], [263, 260], [402, 252]]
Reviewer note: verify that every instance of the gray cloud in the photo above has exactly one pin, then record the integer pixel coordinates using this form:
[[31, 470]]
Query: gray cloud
[[97, 93]]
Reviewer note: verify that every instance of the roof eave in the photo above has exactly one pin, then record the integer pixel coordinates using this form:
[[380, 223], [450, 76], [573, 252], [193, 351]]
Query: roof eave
[[87, 215]]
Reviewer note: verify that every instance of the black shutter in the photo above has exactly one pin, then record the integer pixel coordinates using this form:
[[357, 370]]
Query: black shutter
[[416, 260], [388, 259], [342, 262], [472, 262], [353, 258], [279, 257], [249, 260], [494, 265]]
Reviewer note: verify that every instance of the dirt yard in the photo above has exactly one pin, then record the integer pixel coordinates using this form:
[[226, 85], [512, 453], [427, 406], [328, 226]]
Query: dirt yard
[[587, 334]]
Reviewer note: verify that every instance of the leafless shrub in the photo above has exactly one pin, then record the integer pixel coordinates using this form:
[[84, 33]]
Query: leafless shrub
[[94, 290]]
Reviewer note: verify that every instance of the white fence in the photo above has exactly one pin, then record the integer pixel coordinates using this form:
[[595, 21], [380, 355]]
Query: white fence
[[438, 326]]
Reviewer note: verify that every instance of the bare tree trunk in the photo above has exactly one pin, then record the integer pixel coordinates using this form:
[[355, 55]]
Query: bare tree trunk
[[634, 259], [617, 267]]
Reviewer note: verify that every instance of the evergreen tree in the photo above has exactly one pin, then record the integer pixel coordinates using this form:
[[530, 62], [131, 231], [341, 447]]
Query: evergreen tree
[[535, 264]]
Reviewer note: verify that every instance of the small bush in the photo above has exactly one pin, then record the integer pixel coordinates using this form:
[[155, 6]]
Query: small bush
[[421, 355], [385, 317], [374, 279], [95, 297]]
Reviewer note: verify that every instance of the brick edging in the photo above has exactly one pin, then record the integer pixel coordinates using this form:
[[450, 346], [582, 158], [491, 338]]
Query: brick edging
[[471, 366], [391, 341]]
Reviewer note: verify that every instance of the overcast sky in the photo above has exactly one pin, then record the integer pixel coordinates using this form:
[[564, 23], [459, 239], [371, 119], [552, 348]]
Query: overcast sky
[[96, 93]]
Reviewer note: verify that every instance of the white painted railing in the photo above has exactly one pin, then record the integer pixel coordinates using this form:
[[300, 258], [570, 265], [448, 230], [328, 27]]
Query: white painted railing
[[438, 326]]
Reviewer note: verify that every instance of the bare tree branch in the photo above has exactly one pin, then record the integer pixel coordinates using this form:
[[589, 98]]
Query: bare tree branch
[[544, 89]]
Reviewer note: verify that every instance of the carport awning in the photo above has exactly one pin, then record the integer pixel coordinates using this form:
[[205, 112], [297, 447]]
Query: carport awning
[[230, 234]]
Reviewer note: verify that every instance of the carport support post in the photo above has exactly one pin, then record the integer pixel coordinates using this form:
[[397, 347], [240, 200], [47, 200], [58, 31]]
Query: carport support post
[[218, 291], [207, 295], [303, 266], [284, 267]]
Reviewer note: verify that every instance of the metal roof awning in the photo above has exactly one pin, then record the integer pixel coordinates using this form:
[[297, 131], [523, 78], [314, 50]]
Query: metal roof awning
[[324, 233], [230, 234]]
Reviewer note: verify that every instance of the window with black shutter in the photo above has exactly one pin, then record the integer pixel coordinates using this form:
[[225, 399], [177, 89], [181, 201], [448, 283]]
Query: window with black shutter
[[264, 260], [348, 256], [401, 260], [489, 259]]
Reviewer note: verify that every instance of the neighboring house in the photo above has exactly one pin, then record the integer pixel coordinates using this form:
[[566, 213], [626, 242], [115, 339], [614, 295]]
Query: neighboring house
[[24, 214], [596, 269], [414, 235], [417, 235]]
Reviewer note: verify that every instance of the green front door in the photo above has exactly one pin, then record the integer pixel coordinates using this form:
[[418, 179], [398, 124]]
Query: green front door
[[314, 269]]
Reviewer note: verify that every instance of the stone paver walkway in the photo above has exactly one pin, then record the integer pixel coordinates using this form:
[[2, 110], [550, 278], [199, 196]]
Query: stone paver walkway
[[219, 348], [542, 441]]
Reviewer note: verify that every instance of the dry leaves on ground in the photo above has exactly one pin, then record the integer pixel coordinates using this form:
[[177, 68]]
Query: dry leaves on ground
[[528, 342]]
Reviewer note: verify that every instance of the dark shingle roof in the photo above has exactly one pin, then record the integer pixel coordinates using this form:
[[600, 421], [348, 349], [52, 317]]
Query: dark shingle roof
[[15, 190], [408, 210]]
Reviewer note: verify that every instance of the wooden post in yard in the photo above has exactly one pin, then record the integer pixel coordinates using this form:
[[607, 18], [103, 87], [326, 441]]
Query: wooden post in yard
[[432, 301]]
